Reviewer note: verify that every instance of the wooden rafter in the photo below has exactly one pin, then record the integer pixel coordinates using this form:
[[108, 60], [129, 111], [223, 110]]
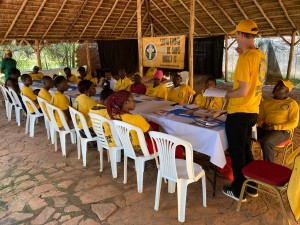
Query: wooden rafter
[[184, 5], [77, 16], [53, 21], [147, 29], [264, 15], [35, 17], [208, 13], [287, 15], [148, 10], [224, 12], [166, 29], [131, 18], [241, 10], [166, 16], [156, 28], [91, 18], [144, 17], [120, 17], [107, 17]]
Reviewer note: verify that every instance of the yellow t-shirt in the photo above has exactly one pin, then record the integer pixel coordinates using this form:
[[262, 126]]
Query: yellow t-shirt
[[138, 121], [28, 92], [96, 81], [88, 77], [160, 91], [44, 94], [36, 76], [101, 110], [60, 101], [208, 102], [251, 68], [123, 84], [283, 113], [73, 79], [180, 94], [83, 104]]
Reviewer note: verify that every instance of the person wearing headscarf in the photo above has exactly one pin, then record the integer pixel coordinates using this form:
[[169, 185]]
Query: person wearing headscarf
[[8, 63], [157, 89]]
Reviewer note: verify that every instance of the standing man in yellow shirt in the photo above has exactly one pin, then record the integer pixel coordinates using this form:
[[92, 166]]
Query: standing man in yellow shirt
[[35, 74], [83, 74], [180, 93], [243, 107], [71, 77], [124, 83], [277, 119], [157, 89]]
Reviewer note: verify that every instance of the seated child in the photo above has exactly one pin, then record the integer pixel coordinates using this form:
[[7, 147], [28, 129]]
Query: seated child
[[61, 101], [138, 87], [70, 77], [209, 102], [83, 74], [44, 92], [28, 92], [35, 74], [83, 103], [157, 89], [109, 77]]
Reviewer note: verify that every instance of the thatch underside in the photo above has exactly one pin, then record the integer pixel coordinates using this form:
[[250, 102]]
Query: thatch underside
[[71, 20]]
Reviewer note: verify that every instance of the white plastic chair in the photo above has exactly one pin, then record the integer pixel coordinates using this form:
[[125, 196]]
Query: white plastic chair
[[185, 76], [8, 105], [82, 141], [63, 132], [123, 130], [181, 171], [30, 118], [114, 152], [16, 103], [48, 125]]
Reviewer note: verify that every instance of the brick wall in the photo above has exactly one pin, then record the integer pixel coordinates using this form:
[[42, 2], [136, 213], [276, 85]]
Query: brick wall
[[94, 56]]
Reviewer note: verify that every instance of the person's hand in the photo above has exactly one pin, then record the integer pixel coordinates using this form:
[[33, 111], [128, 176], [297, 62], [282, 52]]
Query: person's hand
[[238, 50], [268, 126]]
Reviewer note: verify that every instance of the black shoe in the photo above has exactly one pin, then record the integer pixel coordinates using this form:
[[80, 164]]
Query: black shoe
[[229, 192], [251, 192]]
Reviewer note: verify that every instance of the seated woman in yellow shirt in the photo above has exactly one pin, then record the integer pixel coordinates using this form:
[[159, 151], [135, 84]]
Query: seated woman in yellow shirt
[[157, 89], [35, 74], [61, 101], [28, 92], [83, 103], [215, 103], [124, 83], [83, 74], [71, 78]]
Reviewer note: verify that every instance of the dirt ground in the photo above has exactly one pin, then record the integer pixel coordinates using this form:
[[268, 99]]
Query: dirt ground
[[40, 186]]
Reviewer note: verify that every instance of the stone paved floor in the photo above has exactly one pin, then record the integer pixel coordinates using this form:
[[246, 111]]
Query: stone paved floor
[[40, 186]]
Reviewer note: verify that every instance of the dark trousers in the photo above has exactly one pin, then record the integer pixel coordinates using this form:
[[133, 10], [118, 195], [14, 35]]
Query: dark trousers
[[238, 128], [269, 139]]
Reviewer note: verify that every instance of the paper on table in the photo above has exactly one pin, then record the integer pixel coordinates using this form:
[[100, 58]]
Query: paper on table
[[215, 92]]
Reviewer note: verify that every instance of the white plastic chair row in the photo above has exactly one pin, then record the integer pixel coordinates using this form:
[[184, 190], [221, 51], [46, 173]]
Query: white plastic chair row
[[48, 125], [8, 105], [15, 103]]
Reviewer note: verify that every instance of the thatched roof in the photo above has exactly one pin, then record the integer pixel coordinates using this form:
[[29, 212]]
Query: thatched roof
[[59, 20]]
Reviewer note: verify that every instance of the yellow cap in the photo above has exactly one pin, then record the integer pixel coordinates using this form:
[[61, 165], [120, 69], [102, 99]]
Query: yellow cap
[[8, 51], [288, 84], [246, 26]]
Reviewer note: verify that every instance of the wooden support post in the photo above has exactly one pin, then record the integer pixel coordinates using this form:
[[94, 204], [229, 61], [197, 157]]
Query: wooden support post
[[139, 34], [151, 30], [88, 57], [226, 58], [191, 43], [38, 53], [292, 48]]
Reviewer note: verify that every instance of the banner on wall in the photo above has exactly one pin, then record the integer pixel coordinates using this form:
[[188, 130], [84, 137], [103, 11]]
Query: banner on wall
[[164, 52]]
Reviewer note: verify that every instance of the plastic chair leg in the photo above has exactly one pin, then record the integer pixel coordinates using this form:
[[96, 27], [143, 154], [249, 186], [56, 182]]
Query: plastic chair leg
[[55, 139], [78, 147], [47, 128], [73, 137], [118, 155], [62, 137], [83, 151], [52, 131], [125, 169], [27, 123], [203, 179], [181, 195], [32, 120], [113, 161], [158, 189], [100, 149], [171, 186], [9, 111], [139, 167]]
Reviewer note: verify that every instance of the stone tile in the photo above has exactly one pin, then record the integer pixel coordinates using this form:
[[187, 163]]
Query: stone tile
[[89, 183], [17, 206], [60, 202], [22, 178], [56, 215], [57, 174], [43, 216], [98, 194], [24, 195], [73, 221], [51, 170], [36, 203], [104, 210], [4, 152], [60, 164], [20, 216], [35, 170], [71, 208], [64, 218], [88, 222], [40, 177], [25, 185], [52, 223], [132, 197], [7, 181], [17, 173], [120, 201], [47, 165], [2, 214], [65, 184], [53, 194], [42, 188]]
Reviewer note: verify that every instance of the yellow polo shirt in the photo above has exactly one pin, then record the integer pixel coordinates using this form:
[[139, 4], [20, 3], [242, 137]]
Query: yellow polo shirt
[[251, 68], [83, 104], [88, 77], [36, 76], [101, 110], [123, 84], [28, 92], [73, 79], [160, 91], [60, 101], [180, 94], [208, 102], [96, 81], [44, 94]]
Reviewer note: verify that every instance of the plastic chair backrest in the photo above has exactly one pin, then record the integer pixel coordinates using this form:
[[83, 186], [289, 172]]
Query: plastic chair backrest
[[166, 147], [254, 132], [185, 76], [3, 90], [42, 103], [51, 109], [14, 97], [76, 115], [123, 130], [27, 101], [98, 121]]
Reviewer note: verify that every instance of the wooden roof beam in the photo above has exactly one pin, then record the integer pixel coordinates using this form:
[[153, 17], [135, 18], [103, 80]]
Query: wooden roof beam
[[241, 10], [287, 15], [77, 16], [166, 29], [107, 17], [146, 29], [148, 10], [145, 16], [133, 15], [91, 18], [35, 17], [208, 13], [120, 17], [53, 21], [184, 5], [225, 13], [264, 15]]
